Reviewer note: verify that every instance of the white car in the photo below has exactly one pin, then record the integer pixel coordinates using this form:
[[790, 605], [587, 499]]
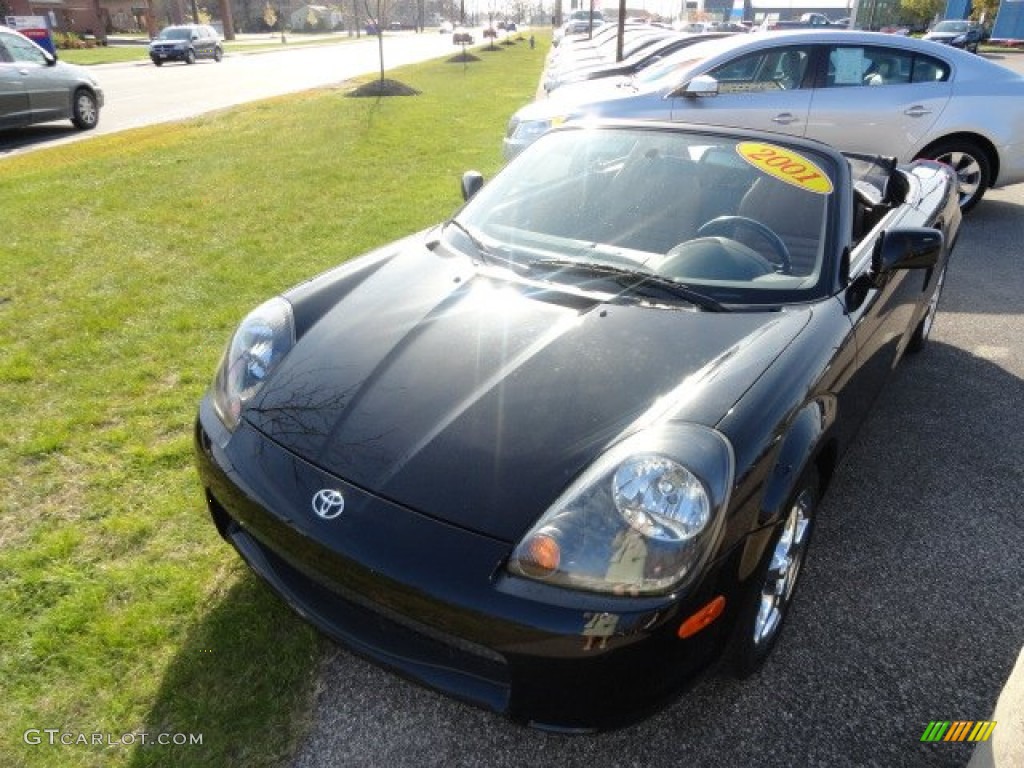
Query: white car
[[858, 91]]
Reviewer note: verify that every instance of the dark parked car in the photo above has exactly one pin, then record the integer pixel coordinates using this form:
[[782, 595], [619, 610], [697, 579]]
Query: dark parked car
[[187, 43], [958, 33], [643, 58], [556, 455], [36, 88]]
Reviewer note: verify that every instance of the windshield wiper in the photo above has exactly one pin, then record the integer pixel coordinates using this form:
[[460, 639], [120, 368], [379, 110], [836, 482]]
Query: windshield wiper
[[481, 249], [635, 278]]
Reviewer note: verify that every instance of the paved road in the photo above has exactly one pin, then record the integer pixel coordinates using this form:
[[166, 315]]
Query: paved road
[[911, 607], [139, 93]]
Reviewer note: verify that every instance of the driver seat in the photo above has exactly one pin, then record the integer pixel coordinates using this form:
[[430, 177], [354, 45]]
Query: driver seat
[[656, 201], [794, 214]]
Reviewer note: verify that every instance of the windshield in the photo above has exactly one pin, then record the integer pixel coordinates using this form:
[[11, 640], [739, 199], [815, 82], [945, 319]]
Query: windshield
[[176, 33], [951, 26], [640, 43], [738, 221], [682, 62]]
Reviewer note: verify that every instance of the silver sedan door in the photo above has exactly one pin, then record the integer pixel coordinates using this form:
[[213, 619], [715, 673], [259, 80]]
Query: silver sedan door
[[765, 89], [877, 97], [14, 110], [47, 85]]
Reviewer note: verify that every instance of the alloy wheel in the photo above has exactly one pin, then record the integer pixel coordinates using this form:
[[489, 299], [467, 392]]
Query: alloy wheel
[[784, 569], [968, 172]]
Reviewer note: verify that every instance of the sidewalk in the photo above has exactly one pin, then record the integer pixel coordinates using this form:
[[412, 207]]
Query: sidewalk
[[1005, 749]]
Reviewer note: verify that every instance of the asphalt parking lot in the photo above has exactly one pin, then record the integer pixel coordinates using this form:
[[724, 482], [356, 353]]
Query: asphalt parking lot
[[911, 607]]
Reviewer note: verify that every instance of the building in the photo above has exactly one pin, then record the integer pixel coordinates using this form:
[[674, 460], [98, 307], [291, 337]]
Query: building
[[100, 18], [315, 18]]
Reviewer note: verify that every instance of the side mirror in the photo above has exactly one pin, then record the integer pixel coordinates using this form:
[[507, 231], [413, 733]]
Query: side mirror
[[699, 87], [909, 248], [471, 183]]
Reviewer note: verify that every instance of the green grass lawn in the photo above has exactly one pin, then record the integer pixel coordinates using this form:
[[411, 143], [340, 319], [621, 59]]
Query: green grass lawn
[[127, 260]]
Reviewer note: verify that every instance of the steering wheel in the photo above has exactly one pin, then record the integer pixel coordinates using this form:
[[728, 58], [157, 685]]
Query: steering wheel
[[726, 225]]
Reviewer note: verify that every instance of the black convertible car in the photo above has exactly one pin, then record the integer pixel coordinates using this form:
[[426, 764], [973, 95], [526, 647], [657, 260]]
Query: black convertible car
[[558, 453]]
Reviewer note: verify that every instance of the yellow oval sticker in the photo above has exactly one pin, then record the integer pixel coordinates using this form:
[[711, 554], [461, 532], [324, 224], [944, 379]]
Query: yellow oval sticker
[[786, 165]]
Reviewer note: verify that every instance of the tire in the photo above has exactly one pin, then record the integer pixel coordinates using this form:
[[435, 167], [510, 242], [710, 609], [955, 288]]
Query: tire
[[919, 340], [157, 62], [85, 111], [190, 56], [218, 54], [767, 602], [971, 164]]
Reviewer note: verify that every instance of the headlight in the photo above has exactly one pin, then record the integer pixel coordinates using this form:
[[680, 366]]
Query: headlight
[[642, 520], [959, 39], [263, 338]]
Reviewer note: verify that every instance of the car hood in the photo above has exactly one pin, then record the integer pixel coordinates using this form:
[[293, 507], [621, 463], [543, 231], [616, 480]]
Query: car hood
[[77, 74], [944, 36], [575, 98], [476, 398]]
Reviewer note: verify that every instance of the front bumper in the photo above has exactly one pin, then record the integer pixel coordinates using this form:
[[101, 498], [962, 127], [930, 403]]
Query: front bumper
[[954, 42], [432, 601], [167, 53]]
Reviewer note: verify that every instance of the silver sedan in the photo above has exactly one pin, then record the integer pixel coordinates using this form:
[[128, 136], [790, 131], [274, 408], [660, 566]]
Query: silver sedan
[[36, 88], [858, 91]]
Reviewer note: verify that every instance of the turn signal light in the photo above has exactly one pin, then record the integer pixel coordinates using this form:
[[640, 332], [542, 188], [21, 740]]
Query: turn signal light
[[543, 555], [702, 618]]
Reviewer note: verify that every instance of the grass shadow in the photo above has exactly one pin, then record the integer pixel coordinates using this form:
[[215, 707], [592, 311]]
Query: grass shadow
[[239, 638]]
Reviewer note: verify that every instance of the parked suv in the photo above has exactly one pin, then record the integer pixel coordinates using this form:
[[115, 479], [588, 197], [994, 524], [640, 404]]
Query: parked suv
[[186, 42], [36, 88]]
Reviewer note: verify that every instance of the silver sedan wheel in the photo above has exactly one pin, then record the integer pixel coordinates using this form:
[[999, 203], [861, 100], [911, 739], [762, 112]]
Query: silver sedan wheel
[[784, 569], [968, 172], [85, 112]]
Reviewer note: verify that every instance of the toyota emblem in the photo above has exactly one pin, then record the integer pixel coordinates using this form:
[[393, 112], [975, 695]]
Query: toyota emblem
[[328, 503]]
